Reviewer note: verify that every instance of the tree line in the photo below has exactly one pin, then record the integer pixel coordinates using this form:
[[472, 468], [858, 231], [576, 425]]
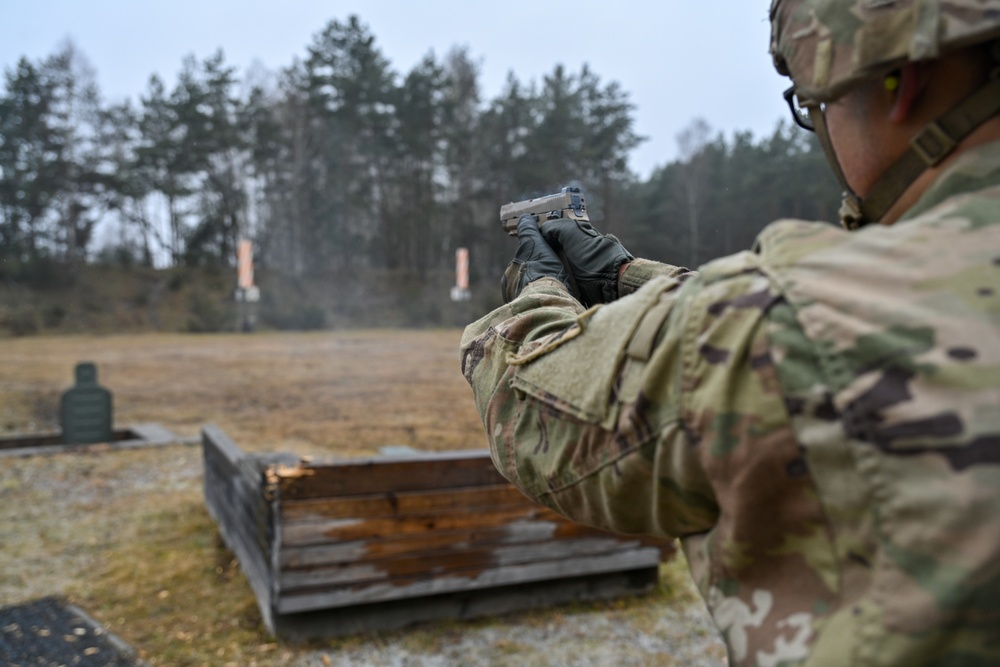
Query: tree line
[[340, 165]]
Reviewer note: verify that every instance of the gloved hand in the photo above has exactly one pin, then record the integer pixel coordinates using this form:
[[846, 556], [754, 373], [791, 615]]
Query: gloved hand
[[534, 259], [593, 258]]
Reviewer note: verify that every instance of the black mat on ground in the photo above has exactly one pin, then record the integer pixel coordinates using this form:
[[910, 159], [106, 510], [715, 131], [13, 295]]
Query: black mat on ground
[[50, 632]]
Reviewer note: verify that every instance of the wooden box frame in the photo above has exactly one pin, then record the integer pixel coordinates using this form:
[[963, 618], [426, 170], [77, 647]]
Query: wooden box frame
[[335, 548]]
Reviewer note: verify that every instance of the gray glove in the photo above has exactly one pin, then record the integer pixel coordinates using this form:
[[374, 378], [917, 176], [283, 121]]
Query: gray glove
[[594, 259], [534, 259]]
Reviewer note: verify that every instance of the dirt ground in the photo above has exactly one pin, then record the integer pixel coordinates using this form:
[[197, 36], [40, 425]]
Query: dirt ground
[[327, 394], [124, 534]]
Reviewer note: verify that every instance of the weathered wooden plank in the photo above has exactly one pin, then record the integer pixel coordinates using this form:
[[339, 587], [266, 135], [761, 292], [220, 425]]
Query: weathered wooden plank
[[240, 520], [666, 547], [355, 528], [392, 615], [224, 450], [518, 532], [237, 505], [396, 475], [236, 489], [383, 504], [443, 564], [291, 602], [234, 497]]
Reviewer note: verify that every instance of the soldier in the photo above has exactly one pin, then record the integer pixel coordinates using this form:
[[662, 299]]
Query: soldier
[[818, 419]]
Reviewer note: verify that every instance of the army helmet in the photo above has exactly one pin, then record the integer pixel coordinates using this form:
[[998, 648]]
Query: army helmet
[[829, 46]]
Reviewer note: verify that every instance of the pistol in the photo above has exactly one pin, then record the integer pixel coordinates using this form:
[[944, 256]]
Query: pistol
[[568, 203]]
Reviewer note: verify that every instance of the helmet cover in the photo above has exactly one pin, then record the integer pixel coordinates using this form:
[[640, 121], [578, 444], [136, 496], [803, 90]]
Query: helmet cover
[[829, 46]]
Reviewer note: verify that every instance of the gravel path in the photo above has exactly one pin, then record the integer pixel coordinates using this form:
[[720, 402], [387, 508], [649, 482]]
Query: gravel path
[[594, 639]]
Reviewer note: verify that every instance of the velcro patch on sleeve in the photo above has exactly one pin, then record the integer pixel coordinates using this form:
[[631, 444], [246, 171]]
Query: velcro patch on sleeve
[[575, 372]]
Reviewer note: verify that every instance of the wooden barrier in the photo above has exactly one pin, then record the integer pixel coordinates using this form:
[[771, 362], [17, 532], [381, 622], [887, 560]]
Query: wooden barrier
[[371, 545]]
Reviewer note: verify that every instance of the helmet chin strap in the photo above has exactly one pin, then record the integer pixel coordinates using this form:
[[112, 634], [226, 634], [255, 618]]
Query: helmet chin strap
[[927, 149]]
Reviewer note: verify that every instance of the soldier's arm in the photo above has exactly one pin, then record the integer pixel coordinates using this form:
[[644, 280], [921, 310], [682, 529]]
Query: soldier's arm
[[626, 416], [582, 408], [544, 308]]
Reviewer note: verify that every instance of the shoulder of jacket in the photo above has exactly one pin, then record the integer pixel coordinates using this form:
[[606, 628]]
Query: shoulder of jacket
[[786, 242], [780, 244]]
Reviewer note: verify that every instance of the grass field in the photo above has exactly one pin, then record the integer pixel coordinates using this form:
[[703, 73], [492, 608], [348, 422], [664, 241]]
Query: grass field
[[125, 535], [335, 394]]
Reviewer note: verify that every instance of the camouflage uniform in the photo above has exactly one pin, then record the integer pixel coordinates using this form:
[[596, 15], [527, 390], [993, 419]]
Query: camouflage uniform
[[817, 420]]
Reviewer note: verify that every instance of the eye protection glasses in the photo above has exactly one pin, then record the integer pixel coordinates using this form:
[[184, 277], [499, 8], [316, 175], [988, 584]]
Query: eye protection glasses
[[803, 110]]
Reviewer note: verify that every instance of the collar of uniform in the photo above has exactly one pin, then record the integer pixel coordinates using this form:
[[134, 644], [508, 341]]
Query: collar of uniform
[[976, 169]]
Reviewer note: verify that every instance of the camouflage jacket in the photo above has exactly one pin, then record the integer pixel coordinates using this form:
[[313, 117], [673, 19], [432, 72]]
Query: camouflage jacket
[[818, 421]]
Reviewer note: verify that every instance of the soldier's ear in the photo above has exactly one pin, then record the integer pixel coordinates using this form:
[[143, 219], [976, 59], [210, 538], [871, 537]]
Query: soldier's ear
[[906, 84]]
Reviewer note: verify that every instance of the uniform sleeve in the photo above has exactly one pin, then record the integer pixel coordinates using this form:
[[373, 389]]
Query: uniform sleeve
[[577, 415], [641, 271], [645, 415]]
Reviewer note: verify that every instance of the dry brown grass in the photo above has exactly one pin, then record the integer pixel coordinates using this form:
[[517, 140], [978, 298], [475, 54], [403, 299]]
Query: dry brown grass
[[329, 394], [125, 533]]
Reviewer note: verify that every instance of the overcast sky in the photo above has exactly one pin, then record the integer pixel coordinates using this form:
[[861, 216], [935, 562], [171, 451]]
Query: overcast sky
[[677, 60]]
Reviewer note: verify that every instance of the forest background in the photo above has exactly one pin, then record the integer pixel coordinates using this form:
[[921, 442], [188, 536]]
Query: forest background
[[355, 182]]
